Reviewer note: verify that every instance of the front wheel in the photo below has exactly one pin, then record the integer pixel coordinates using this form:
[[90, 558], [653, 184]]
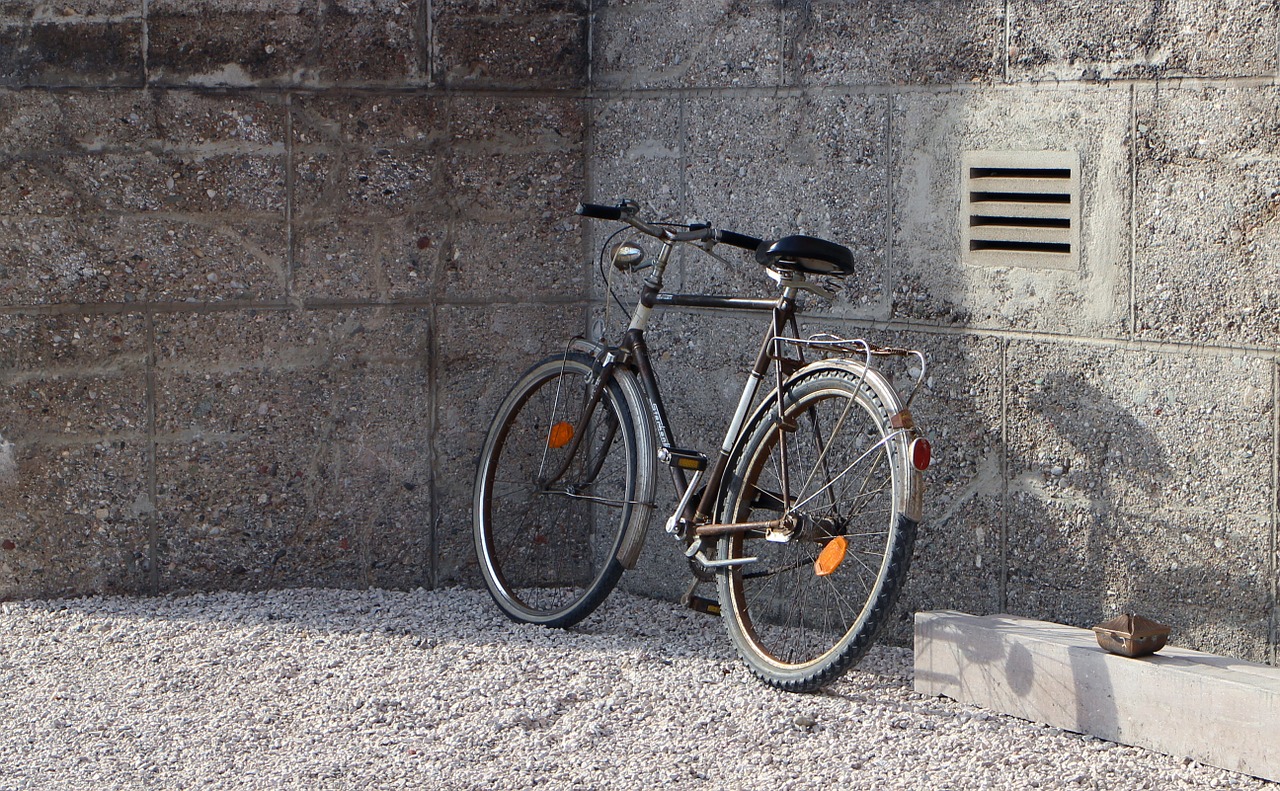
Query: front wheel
[[548, 525], [824, 581]]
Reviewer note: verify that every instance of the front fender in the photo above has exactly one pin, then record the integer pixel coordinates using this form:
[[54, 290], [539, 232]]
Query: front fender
[[646, 454]]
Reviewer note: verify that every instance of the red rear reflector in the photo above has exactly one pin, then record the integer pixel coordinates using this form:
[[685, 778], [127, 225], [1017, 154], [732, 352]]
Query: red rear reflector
[[921, 454]]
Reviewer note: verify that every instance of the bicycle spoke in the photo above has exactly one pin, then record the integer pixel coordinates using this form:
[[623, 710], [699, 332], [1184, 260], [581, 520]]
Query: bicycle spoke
[[823, 447]]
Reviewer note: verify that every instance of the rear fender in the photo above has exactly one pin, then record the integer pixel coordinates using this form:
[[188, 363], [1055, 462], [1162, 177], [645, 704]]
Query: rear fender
[[891, 405]]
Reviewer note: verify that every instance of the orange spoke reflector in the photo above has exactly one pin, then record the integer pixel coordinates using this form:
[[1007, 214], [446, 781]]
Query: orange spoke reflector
[[560, 435], [831, 556]]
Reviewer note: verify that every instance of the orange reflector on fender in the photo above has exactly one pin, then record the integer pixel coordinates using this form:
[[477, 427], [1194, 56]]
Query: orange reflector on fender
[[560, 435], [921, 454], [831, 556]]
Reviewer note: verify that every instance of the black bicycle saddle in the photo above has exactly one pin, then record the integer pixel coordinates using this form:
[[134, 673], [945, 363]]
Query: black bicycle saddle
[[807, 254]]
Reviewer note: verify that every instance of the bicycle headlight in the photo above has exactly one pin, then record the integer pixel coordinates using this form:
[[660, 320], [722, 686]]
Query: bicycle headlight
[[627, 256]]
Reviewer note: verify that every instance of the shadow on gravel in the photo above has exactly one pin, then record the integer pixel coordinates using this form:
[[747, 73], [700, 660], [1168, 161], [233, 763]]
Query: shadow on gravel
[[461, 616]]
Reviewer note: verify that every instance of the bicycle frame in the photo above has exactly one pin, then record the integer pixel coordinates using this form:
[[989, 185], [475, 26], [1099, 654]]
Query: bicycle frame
[[633, 352]]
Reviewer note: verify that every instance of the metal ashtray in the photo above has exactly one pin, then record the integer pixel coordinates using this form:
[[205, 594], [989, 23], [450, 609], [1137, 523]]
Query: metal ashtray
[[1131, 635]]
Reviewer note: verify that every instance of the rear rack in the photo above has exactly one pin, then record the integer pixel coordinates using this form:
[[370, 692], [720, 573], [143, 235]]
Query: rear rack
[[827, 345]]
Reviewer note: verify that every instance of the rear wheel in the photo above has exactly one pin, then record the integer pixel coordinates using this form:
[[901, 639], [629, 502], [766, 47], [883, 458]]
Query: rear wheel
[[812, 603], [548, 526]]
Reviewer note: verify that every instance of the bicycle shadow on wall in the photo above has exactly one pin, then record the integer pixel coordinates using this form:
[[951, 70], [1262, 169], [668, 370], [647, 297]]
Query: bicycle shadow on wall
[[1064, 514], [1089, 537], [1091, 534]]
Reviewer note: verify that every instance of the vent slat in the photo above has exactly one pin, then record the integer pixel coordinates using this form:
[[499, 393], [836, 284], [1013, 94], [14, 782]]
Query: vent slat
[[1000, 208], [1021, 233], [1021, 185]]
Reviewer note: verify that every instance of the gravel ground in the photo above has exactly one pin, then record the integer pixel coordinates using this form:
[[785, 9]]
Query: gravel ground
[[434, 689]]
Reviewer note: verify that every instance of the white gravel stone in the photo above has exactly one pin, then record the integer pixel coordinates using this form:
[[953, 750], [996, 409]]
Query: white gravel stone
[[436, 690]]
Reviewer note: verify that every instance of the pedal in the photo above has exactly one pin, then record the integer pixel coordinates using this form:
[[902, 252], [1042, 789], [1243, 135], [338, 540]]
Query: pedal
[[699, 603], [684, 459], [703, 604], [694, 548]]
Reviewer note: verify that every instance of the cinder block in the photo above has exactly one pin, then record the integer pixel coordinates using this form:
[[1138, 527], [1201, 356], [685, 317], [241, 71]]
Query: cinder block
[[514, 190], [1206, 231], [32, 344], [1136, 39], [958, 553], [365, 183], [706, 44], [368, 122], [136, 258], [33, 188], [294, 448], [73, 50], [251, 44], [1137, 483], [888, 41], [380, 42], [373, 258], [482, 351], [1220, 711], [191, 120], [33, 122], [338, 259], [539, 43], [240, 183], [75, 522], [635, 153], [775, 166]]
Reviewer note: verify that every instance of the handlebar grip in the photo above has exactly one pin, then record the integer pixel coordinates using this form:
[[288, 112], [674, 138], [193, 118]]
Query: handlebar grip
[[734, 239], [599, 212]]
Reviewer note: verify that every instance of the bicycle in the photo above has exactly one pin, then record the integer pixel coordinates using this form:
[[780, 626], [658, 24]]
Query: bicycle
[[806, 518]]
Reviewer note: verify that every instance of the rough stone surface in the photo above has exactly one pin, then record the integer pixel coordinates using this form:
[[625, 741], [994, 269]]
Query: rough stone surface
[[933, 131], [527, 44], [668, 43], [1133, 487], [1137, 39], [1207, 238], [892, 41], [482, 350]]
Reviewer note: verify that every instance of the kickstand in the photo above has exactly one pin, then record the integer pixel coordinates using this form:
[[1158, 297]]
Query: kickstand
[[699, 603]]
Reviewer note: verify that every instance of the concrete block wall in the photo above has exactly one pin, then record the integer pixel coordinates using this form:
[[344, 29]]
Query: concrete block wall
[[1105, 433], [258, 266]]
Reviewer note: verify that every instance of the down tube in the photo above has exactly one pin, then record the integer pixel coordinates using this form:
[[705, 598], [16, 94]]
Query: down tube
[[783, 310]]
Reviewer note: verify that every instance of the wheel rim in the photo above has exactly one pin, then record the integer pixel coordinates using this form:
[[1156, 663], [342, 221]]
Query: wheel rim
[[548, 542], [842, 476]]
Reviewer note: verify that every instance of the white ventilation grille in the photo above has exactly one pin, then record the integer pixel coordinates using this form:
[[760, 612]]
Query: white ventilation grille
[[1021, 209]]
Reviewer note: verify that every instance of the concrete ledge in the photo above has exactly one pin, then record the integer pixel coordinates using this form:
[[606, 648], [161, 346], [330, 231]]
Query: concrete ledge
[[1220, 711]]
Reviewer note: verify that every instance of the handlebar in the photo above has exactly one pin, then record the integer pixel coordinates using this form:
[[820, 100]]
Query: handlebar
[[626, 210]]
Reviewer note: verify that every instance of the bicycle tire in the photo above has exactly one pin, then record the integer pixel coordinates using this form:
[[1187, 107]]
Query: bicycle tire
[[549, 549], [798, 630]]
